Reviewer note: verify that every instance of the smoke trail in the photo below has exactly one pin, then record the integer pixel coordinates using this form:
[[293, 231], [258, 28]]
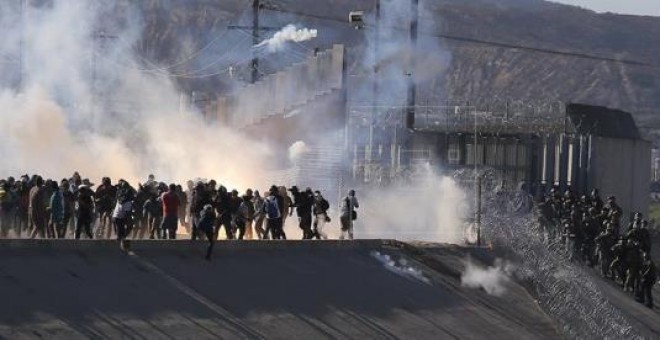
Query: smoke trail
[[286, 34]]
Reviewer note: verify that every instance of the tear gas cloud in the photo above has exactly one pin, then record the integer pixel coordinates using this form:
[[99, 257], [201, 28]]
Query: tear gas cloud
[[431, 208], [286, 34], [87, 104], [388, 49], [493, 280], [81, 110]]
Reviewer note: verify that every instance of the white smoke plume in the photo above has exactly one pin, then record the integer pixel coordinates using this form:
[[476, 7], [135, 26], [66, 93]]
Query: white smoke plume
[[286, 34], [297, 150], [81, 110], [493, 280], [430, 208]]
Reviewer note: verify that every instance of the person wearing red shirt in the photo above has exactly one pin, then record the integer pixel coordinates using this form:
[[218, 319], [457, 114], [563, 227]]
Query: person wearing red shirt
[[171, 204]]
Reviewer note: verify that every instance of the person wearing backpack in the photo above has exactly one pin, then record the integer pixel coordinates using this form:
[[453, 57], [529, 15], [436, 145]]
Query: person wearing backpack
[[321, 207], [348, 215], [273, 213]]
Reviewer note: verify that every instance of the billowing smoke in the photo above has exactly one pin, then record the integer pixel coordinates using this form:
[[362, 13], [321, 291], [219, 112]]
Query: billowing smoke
[[79, 109], [493, 279], [297, 150], [390, 59], [286, 34], [430, 208]]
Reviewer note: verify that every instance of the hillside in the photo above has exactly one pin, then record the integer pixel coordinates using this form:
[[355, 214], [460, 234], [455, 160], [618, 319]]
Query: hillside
[[196, 41], [477, 72]]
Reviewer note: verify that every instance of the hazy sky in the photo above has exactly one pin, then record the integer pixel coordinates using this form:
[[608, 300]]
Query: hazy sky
[[639, 7]]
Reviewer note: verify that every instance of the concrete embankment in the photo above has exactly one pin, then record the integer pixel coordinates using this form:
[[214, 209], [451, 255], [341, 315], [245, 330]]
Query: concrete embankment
[[251, 289]]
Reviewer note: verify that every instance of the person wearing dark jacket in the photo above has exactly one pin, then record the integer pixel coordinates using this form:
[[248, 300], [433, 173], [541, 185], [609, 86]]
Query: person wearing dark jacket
[[303, 202], [85, 211], [200, 199], [648, 279], [224, 207], [153, 210], [105, 199], [205, 224]]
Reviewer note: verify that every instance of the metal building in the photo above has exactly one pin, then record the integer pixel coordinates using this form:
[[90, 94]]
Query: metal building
[[573, 145]]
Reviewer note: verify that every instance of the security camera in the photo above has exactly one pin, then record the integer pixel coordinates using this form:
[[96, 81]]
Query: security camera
[[356, 18]]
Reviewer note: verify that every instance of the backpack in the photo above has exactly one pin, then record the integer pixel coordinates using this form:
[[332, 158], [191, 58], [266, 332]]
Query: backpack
[[325, 205], [272, 208]]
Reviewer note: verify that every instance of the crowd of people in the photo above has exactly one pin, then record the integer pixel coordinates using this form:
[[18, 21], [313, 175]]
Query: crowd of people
[[590, 231], [75, 208]]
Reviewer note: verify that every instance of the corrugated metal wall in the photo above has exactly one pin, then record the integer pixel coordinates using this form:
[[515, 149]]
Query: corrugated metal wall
[[621, 167]]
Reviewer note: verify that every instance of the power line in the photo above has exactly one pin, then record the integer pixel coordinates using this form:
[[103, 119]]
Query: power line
[[451, 37], [191, 56]]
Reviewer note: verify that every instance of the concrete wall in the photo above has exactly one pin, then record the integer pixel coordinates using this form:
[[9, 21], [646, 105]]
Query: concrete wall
[[620, 167], [280, 93]]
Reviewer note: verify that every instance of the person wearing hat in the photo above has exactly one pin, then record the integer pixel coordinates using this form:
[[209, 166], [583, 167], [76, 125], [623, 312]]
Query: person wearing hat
[[87, 183]]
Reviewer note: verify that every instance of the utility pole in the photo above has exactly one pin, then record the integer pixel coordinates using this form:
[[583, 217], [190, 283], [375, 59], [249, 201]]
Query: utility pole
[[22, 43], [374, 103], [255, 40], [256, 29], [412, 89]]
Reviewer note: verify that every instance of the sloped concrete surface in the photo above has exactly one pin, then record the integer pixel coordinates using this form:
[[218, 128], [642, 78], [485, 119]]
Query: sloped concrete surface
[[261, 289]]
